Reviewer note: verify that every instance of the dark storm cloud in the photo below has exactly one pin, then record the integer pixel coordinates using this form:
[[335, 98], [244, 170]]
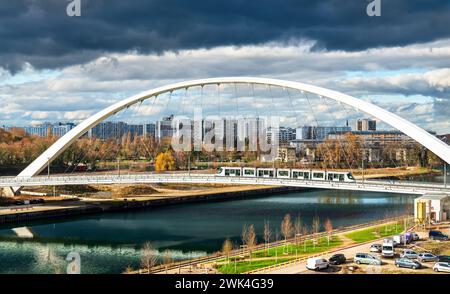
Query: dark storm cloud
[[40, 32]]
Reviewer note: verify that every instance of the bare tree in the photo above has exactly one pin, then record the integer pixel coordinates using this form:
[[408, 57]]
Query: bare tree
[[251, 240], [167, 258], [297, 228], [328, 228], [315, 227], [148, 256], [286, 228], [227, 247], [244, 236], [267, 234]]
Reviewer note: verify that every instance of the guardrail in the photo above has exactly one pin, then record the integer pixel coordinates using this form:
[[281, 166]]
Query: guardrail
[[237, 252]]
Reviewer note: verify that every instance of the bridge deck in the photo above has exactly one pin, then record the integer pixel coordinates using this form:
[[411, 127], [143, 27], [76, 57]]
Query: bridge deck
[[368, 185]]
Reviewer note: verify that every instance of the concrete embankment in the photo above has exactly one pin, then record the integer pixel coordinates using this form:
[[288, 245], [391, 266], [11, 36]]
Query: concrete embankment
[[90, 207]]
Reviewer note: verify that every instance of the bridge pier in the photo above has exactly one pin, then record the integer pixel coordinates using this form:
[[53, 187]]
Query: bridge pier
[[8, 192]]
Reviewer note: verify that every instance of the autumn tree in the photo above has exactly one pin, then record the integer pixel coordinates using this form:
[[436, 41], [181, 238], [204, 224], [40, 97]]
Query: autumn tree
[[165, 161]]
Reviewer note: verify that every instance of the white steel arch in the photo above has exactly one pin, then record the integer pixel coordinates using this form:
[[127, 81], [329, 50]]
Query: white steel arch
[[429, 141]]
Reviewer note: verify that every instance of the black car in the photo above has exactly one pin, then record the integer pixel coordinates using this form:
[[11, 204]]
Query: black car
[[437, 235], [337, 259], [444, 258]]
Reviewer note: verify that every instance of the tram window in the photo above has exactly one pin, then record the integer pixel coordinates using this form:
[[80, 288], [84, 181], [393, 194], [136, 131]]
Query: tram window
[[238, 172], [306, 175], [318, 175], [330, 177], [271, 173], [227, 172], [260, 173], [341, 178], [249, 172], [295, 174], [283, 173]]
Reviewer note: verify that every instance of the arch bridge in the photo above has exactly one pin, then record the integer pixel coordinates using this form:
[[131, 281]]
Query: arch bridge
[[415, 132]]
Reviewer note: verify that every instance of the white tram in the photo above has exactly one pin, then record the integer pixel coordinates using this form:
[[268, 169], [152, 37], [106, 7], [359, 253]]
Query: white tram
[[286, 173]]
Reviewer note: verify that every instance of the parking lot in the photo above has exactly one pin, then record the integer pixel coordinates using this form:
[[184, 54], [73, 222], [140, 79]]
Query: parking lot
[[388, 264]]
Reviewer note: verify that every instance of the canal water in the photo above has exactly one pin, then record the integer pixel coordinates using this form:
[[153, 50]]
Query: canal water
[[108, 243]]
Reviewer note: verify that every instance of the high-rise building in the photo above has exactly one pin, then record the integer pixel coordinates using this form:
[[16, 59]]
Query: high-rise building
[[366, 125], [164, 128], [318, 133]]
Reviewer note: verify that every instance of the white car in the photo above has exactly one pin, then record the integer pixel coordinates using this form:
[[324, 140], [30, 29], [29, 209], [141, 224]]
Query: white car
[[408, 253], [316, 263], [375, 248], [442, 267]]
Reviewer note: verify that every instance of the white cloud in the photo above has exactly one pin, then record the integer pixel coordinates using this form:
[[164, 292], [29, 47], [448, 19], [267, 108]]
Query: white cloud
[[77, 91]]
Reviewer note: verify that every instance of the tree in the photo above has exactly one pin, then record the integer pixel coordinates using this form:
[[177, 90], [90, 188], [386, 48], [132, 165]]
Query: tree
[[297, 228], [328, 228], [267, 234], [227, 247], [167, 258], [148, 256], [251, 240], [286, 228], [315, 226], [165, 161]]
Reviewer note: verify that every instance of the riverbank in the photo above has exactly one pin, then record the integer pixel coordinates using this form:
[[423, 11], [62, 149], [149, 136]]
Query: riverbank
[[68, 208]]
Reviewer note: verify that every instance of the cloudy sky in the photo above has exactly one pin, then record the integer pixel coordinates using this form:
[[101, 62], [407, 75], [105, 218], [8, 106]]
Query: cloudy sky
[[59, 68]]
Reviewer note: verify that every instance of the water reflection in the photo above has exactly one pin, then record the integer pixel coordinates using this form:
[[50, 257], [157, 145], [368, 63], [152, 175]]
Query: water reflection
[[108, 243]]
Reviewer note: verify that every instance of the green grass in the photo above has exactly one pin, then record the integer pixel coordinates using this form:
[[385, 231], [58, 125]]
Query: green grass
[[294, 250], [276, 255], [245, 266], [374, 233]]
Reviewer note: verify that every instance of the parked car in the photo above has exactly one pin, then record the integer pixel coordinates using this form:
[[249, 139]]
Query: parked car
[[19, 202], [387, 250], [408, 253], [399, 240], [375, 248], [437, 235], [316, 263], [415, 236], [408, 263], [425, 257], [442, 267], [444, 258], [338, 258], [365, 258]]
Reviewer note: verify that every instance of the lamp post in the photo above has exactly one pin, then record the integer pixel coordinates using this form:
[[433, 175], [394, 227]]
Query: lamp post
[[445, 174], [48, 167]]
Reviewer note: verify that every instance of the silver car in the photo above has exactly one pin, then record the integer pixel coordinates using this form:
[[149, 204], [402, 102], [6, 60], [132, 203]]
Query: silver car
[[442, 267], [408, 253], [365, 258], [425, 257]]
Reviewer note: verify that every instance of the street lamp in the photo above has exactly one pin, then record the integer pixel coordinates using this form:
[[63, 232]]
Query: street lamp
[[48, 167]]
